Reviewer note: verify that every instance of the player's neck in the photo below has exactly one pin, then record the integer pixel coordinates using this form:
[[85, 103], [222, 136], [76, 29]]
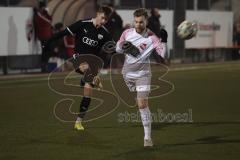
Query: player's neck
[[95, 23], [142, 32]]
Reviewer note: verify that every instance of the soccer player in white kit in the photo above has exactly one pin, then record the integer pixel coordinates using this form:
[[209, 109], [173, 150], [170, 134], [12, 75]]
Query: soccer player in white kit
[[136, 69]]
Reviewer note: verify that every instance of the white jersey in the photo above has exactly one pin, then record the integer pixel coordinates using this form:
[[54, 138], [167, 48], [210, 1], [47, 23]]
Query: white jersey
[[136, 67]]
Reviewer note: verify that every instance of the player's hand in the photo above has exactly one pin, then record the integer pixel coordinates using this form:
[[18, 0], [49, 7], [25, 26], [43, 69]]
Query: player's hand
[[97, 82], [109, 47], [163, 35], [130, 49]]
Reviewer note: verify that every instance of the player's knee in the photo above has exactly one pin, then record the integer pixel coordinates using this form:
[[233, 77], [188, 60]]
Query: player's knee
[[142, 103], [87, 90]]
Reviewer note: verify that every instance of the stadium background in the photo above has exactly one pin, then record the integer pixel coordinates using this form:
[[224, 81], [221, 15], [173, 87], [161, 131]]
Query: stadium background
[[216, 23], [205, 79]]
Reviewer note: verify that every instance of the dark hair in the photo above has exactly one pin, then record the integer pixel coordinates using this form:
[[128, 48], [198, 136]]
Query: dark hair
[[42, 4], [109, 5], [140, 12], [152, 11], [105, 9]]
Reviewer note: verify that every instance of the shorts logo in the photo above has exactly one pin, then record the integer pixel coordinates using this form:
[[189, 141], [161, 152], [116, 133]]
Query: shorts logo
[[90, 42]]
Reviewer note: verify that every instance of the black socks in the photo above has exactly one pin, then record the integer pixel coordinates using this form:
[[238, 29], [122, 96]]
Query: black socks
[[84, 106]]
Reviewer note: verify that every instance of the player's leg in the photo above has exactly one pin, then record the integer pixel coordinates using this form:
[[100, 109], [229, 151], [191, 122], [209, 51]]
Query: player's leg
[[143, 89], [146, 120], [88, 66], [89, 81], [84, 105], [85, 100], [86, 82]]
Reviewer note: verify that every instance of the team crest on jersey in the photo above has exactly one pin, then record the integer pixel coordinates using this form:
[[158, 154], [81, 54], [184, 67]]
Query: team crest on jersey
[[100, 36], [143, 46]]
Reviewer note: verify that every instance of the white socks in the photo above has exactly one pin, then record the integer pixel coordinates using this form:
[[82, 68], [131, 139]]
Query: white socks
[[146, 121]]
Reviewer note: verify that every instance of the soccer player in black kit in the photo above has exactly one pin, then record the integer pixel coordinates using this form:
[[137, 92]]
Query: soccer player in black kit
[[90, 36]]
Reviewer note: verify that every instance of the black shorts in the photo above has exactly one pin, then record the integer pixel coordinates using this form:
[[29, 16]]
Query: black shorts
[[95, 64]]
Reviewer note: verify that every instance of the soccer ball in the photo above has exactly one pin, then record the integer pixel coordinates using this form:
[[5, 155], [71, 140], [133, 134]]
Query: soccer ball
[[187, 30]]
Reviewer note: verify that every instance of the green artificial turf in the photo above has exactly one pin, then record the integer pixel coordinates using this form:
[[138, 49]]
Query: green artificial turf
[[210, 93]]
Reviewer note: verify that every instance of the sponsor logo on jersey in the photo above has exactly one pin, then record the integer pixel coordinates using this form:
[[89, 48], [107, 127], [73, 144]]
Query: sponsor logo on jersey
[[90, 41]]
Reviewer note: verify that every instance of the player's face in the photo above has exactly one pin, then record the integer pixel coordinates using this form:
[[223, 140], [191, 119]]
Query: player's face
[[140, 24], [101, 19]]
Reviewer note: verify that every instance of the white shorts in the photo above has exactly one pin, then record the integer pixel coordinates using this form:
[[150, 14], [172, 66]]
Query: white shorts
[[140, 85]]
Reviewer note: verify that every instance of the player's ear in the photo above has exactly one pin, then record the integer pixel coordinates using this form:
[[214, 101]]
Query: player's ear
[[146, 22]]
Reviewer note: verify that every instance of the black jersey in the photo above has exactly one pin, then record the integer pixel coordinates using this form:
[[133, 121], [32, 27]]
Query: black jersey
[[88, 38]]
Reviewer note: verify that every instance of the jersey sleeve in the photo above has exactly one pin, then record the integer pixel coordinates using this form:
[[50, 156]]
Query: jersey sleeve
[[159, 47], [121, 41], [163, 35], [107, 37], [72, 29]]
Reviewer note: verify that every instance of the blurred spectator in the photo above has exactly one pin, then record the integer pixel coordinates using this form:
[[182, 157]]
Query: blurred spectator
[[115, 28], [43, 30], [114, 24], [58, 47], [237, 36], [69, 42], [59, 51], [154, 23], [236, 41]]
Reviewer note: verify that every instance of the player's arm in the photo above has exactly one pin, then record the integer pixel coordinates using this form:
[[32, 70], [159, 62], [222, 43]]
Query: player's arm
[[160, 45], [71, 30], [164, 37], [126, 47], [121, 42], [109, 45]]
